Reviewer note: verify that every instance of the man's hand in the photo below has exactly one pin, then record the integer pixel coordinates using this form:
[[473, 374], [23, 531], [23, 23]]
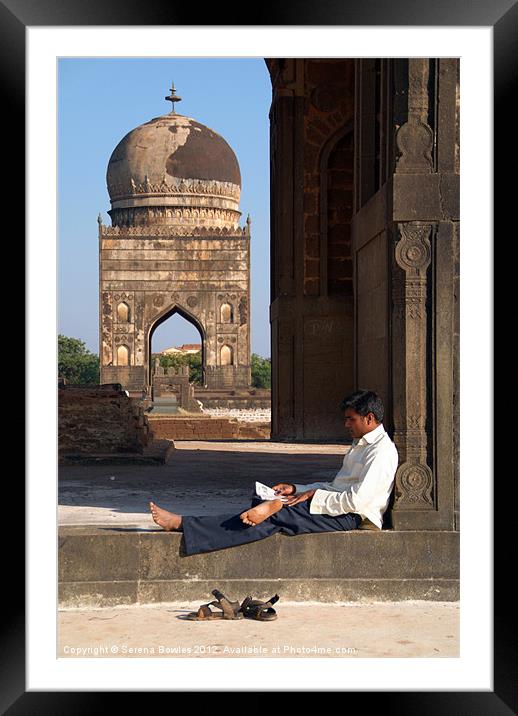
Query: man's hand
[[284, 488], [301, 497]]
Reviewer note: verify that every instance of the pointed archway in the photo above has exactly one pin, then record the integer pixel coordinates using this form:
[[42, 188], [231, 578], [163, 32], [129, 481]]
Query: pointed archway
[[190, 318]]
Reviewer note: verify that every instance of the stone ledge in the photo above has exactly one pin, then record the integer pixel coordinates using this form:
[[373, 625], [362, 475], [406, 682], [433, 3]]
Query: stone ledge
[[155, 453], [125, 565]]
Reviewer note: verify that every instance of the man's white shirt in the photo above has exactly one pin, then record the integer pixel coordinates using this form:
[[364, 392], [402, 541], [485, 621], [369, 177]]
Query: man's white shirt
[[363, 483]]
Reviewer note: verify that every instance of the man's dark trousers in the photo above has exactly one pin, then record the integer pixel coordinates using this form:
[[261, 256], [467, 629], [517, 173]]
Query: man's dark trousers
[[211, 532]]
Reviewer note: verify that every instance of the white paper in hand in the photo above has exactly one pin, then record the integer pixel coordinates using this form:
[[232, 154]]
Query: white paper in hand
[[266, 493]]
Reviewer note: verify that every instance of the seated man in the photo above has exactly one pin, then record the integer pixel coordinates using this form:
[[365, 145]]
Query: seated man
[[359, 492]]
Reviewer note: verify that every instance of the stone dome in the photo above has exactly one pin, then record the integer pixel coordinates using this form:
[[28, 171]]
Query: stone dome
[[174, 171]]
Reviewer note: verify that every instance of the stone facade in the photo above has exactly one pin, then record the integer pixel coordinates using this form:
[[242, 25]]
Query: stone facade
[[175, 246], [365, 246]]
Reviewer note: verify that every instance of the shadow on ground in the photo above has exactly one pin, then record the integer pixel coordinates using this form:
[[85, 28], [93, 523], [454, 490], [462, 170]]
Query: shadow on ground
[[199, 478]]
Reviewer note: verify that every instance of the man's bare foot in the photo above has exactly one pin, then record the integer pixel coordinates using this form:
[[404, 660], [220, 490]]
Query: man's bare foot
[[258, 514], [167, 520]]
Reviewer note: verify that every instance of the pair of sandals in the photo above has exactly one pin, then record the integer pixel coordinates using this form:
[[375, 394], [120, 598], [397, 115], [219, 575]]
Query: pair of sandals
[[248, 609]]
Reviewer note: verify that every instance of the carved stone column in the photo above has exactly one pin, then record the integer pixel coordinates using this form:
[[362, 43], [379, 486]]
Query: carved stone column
[[414, 479]]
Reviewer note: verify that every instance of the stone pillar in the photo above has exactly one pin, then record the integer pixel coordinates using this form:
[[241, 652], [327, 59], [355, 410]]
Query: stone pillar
[[410, 395], [424, 226], [286, 161]]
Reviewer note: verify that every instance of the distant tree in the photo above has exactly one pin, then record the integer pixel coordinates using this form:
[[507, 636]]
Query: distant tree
[[261, 371], [75, 362], [176, 360]]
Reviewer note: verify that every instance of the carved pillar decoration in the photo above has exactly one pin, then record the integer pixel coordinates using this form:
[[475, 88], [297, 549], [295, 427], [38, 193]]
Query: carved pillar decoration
[[414, 138], [414, 479]]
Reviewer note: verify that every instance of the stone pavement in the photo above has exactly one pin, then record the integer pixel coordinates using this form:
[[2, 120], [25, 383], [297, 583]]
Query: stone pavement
[[309, 630], [198, 478]]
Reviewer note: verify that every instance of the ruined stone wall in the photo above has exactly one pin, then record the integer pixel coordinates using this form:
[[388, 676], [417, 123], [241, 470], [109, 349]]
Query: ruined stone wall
[[100, 419]]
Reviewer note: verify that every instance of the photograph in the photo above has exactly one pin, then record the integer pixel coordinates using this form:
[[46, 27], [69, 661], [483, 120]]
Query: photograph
[[254, 329], [260, 404]]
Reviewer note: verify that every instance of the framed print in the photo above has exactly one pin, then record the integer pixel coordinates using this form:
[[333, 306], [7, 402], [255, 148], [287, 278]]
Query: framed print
[[38, 677]]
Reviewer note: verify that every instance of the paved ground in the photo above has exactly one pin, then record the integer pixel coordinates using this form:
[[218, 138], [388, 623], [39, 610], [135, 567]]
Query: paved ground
[[200, 478], [403, 629]]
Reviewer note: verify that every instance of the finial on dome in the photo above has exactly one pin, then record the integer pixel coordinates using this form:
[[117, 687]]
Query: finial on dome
[[173, 98], [248, 220]]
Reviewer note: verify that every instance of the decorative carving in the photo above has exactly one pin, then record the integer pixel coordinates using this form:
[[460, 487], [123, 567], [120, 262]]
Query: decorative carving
[[414, 140], [413, 252], [158, 301], [169, 231], [413, 487], [415, 422], [414, 479], [171, 188], [192, 301]]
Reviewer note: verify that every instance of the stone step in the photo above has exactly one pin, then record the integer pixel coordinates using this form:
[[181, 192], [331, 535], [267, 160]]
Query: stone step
[[106, 566]]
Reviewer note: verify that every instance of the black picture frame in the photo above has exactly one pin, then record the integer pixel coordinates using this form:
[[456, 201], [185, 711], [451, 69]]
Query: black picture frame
[[15, 17]]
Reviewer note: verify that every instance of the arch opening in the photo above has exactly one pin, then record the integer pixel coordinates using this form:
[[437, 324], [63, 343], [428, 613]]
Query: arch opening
[[181, 337]]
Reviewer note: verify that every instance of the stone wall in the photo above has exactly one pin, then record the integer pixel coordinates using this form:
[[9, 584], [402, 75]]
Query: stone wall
[[173, 428], [100, 419], [253, 399], [248, 416]]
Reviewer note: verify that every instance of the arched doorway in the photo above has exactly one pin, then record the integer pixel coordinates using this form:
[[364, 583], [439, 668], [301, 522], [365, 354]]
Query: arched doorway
[[198, 332]]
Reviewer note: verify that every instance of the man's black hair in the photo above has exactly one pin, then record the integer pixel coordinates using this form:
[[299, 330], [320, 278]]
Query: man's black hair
[[364, 402]]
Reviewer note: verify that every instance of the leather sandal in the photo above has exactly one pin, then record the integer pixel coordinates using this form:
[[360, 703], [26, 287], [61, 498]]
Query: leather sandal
[[256, 609], [229, 610]]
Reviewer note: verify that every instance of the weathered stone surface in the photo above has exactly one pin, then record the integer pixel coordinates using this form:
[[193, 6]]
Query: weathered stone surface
[[152, 567], [100, 419], [208, 428]]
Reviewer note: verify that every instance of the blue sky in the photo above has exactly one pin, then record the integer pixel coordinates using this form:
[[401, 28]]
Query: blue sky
[[99, 101]]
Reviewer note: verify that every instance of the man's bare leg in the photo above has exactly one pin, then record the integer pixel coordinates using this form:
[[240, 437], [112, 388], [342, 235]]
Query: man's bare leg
[[256, 515], [169, 521]]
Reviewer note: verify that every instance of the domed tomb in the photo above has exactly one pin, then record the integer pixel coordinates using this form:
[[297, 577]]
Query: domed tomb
[[174, 171], [175, 247]]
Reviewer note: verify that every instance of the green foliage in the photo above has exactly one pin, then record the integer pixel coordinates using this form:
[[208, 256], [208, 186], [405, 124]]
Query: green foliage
[[175, 360], [261, 371], [75, 362]]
